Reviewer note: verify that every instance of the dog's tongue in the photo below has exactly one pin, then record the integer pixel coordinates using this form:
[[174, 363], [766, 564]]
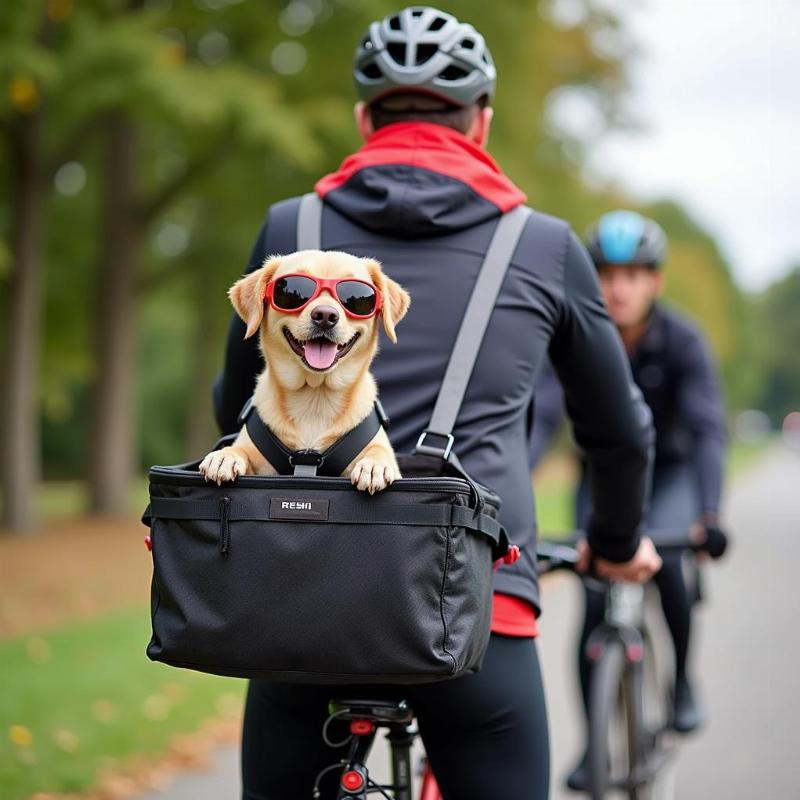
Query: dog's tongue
[[319, 353]]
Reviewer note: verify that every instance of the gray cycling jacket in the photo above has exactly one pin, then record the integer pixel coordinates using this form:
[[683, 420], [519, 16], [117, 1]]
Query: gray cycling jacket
[[424, 201]]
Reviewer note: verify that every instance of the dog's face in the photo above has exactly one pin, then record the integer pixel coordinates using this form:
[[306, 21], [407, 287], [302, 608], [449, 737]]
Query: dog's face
[[321, 342]]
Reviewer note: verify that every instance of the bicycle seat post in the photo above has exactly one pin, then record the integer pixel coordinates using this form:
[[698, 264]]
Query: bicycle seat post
[[401, 739], [364, 718]]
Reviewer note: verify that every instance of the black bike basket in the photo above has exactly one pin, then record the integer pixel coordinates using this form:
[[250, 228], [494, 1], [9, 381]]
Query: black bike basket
[[303, 578]]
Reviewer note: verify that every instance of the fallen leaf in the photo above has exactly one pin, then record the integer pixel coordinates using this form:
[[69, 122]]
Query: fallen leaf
[[20, 736], [156, 707], [65, 740], [103, 710], [38, 650]]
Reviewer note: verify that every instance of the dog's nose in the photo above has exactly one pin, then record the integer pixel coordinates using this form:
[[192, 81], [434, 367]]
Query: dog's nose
[[325, 317]]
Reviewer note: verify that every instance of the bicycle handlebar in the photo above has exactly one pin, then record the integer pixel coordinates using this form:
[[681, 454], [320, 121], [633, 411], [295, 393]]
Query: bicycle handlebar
[[553, 555]]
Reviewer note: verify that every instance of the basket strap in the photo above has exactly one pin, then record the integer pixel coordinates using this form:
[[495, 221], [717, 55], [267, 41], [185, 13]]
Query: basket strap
[[470, 335], [345, 511], [309, 222]]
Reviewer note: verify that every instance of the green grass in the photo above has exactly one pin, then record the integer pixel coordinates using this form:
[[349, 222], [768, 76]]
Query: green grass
[[554, 510], [71, 498], [86, 697], [743, 454]]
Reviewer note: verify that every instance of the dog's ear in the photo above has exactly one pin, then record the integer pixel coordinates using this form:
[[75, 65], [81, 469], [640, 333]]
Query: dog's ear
[[247, 294], [396, 299]]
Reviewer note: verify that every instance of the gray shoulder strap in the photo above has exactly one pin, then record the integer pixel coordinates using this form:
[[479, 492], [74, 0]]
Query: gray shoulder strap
[[470, 335], [309, 223]]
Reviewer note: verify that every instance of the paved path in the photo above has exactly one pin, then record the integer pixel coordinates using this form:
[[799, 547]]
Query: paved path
[[747, 644]]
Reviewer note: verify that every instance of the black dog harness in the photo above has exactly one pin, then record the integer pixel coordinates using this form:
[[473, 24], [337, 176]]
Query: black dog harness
[[332, 461]]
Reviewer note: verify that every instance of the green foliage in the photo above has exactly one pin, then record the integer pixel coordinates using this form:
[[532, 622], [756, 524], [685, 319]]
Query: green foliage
[[778, 315], [699, 281], [225, 128], [86, 698]]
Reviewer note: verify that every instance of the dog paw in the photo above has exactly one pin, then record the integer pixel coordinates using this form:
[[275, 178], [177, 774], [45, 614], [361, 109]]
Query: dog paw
[[372, 476], [223, 465]]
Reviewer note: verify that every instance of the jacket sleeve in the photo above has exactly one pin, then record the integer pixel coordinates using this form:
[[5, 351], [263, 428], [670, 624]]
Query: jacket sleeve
[[700, 406], [547, 413], [243, 362], [611, 422]]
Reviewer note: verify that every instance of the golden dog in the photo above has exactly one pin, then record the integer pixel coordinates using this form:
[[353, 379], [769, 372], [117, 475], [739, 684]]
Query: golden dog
[[316, 385]]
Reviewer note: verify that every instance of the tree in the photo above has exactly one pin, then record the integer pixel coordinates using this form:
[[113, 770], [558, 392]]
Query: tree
[[125, 73], [24, 66], [779, 330]]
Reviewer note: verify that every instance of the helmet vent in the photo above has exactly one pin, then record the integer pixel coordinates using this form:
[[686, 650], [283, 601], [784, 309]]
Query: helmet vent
[[437, 24], [467, 44], [397, 50], [371, 71], [453, 73], [425, 52], [417, 12], [394, 23]]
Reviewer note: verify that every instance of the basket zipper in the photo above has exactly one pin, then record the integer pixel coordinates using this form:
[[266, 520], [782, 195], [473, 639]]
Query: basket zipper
[[184, 477]]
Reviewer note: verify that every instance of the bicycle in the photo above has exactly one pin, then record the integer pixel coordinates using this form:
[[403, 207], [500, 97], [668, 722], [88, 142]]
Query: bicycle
[[630, 727]]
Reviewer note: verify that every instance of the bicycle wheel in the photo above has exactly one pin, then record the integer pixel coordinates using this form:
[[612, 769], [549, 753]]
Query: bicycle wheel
[[657, 744], [612, 724]]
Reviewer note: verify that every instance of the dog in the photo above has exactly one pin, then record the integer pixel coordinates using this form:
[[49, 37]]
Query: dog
[[317, 315]]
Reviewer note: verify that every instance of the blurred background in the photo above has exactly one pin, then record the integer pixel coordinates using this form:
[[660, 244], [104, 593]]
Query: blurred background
[[141, 142]]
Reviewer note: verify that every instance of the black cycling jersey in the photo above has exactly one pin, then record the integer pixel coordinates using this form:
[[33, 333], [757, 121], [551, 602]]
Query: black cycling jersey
[[424, 201], [676, 373]]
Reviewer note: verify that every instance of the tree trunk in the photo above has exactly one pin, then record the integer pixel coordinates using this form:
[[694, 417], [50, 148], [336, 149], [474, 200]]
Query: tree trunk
[[112, 440], [21, 452]]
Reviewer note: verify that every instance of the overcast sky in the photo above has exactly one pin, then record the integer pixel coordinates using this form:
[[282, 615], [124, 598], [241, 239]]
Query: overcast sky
[[717, 85]]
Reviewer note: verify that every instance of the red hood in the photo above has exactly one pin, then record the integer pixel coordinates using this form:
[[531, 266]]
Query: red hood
[[451, 157]]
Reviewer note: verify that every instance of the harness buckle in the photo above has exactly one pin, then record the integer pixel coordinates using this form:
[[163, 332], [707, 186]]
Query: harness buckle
[[311, 457], [306, 462]]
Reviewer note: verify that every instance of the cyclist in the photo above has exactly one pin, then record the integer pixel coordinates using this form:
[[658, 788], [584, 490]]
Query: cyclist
[[672, 366], [423, 196]]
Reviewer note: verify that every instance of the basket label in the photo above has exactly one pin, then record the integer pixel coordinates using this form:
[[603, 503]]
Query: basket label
[[297, 508]]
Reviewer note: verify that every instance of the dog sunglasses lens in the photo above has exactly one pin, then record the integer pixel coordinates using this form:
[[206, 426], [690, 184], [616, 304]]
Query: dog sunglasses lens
[[358, 298], [293, 292]]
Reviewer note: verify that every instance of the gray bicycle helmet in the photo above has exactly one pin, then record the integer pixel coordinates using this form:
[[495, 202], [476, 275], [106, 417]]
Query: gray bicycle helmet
[[625, 237], [426, 50]]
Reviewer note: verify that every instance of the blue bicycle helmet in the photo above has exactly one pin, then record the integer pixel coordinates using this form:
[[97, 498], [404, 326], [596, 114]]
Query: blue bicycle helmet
[[423, 49], [625, 237]]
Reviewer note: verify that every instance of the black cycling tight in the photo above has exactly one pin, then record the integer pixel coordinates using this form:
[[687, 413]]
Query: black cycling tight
[[485, 734], [677, 606], [673, 505]]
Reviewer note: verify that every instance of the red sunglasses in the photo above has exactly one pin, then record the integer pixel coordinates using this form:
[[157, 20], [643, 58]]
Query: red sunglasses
[[292, 293]]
